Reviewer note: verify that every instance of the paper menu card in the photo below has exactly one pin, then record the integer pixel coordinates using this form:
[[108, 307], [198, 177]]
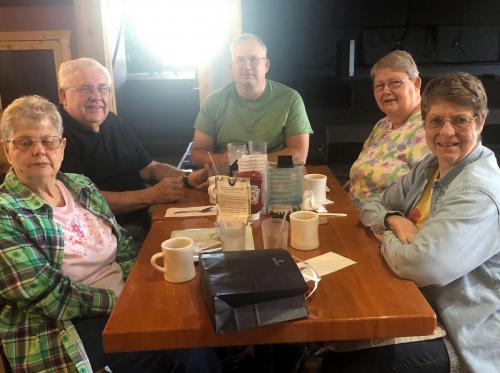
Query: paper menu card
[[255, 162], [251, 162], [284, 189], [233, 197]]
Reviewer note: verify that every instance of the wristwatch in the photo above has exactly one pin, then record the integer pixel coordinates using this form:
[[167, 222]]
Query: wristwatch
[[185, 179]]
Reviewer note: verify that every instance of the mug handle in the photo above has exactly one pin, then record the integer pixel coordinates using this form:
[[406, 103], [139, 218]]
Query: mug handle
[[211, 191], [154, 258]]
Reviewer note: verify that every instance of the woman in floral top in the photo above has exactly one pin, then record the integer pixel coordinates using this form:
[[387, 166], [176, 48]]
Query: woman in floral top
[[397, 141]]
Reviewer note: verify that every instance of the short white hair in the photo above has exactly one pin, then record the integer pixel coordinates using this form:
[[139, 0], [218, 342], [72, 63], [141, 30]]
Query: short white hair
[[66, 69], [34, 108], [248, 36]]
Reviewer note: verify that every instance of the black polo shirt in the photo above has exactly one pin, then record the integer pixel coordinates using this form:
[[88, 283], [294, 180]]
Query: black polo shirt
[[111, 158]]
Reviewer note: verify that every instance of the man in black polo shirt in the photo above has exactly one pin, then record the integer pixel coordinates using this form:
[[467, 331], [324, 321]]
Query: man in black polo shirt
[[102, 147]]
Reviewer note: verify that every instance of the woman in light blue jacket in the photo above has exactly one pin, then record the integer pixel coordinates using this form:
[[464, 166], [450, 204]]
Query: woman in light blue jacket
[[440, 224]]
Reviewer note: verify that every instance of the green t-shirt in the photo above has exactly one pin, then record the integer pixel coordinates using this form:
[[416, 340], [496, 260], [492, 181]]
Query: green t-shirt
[[276, 115]]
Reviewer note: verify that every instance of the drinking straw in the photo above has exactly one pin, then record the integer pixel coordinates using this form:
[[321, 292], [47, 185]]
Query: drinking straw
[[281, 228], [213, 163]]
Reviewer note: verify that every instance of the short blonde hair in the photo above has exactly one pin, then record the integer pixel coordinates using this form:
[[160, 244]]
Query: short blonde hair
[[33, 108], [399, 61], [66, 69]]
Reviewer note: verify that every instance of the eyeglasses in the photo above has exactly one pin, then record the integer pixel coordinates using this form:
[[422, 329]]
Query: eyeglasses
[[392, 84], [254, 61], [88, 90], [26, 143], [459, 122]]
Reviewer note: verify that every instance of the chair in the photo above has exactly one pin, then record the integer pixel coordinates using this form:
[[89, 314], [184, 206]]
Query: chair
[[185, 162], [343, 145]]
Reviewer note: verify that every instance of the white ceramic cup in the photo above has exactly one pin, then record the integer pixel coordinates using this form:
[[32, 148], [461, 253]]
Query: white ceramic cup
[[178, 265], [212, 191], [304, 230], [316, 183]]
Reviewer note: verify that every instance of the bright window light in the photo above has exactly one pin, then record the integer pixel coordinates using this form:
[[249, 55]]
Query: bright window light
[[182, 33]]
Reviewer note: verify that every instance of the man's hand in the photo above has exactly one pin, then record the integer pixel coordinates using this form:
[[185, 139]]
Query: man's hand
[[404, 229], [198, 179], [168, 189]]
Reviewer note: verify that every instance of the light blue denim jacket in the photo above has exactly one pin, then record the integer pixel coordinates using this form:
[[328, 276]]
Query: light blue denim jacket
[[456, 255]]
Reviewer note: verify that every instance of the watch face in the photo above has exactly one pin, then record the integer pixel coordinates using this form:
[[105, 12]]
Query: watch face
[[185, 179]]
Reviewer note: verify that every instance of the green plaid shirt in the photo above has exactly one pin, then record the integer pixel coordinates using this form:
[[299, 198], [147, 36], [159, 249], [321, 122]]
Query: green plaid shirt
[[37, 301]]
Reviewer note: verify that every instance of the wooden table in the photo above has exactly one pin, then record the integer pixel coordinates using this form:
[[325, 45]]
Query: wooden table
[[362, 301]]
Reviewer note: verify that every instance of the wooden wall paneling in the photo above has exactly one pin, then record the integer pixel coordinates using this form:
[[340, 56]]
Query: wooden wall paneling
[[26, 58], [28, 65], [206, 73], [92, 40]]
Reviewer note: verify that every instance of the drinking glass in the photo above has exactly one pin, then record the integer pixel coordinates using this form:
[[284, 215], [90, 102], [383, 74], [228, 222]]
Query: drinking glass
[[235, 151], [275, 233], [256, 147], [232, 235]]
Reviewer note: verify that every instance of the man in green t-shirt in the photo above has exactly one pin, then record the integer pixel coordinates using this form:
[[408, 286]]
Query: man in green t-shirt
[[252, 108]]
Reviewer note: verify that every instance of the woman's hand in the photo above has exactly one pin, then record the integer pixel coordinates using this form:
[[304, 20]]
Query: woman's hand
[[404, 229]]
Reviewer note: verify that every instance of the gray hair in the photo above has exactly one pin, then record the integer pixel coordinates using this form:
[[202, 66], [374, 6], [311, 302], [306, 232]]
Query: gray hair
[[67, 68], [248, 36], [457, 88], [33, 108], [399, 61]]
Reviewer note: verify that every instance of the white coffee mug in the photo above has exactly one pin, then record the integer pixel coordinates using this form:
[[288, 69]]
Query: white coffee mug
[[304, 230], [316, 183], [178, 261], [212, 191]]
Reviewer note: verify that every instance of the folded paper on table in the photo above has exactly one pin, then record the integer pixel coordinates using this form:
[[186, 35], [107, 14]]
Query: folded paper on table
[[327, 202], [205, 237], [244, 289], [328, 263], [173, 212]]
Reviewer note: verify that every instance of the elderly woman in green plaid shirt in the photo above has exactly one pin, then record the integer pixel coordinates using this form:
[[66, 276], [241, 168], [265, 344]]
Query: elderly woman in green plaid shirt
[[63, 258]]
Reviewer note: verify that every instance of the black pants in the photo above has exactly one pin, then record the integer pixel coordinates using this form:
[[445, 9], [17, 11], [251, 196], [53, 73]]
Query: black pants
[[178, 361], [416, 357]]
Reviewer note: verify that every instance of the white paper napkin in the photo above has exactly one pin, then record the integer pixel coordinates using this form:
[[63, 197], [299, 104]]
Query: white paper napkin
[[328, 263], [190, 211]]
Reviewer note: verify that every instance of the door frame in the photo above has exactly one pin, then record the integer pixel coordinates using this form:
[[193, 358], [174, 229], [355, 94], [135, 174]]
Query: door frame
[[56, 41]]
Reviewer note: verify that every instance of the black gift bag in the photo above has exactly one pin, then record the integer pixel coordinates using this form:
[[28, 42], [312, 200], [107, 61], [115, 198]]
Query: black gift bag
[[244, 289]]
